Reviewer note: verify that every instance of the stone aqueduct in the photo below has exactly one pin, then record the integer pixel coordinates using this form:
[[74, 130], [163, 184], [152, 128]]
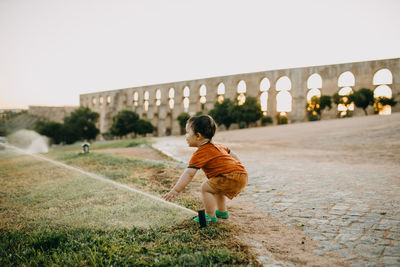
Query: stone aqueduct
[[283, 90]]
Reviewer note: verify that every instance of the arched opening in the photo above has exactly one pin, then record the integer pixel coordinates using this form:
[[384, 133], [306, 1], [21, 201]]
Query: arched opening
[[314, 81], [101, 101], [383, 76], [186, 94], [220, 92], [284, 102], [346, 79], [283, 84], [383, 93], [146, 100], [171, 96], [135, 99], [313, 92], [158, 97], [264, 102], [283, 98], [264, 87], [345, 82], [108, 100], [203, 94], [241, 92], [94, 101]]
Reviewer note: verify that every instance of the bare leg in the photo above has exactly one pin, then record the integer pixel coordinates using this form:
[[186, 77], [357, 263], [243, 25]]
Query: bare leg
[[209, 200], [221, 202]]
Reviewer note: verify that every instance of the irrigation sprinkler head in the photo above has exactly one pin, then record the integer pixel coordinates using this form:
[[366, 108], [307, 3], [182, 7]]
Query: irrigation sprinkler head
[[202, 218], [85, 147]]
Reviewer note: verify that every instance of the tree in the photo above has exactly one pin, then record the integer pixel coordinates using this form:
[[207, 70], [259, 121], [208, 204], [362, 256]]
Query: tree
[[124, 123], [81, 124], [316, 105], [363, 98], [248, 112], [183, 118], [143, 127], [346, 101], [54, 130], [382, 101], [222, 113]]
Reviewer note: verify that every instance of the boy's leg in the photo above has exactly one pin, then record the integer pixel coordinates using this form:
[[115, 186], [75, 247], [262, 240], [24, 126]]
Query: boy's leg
[[221, 202], [209, 200]]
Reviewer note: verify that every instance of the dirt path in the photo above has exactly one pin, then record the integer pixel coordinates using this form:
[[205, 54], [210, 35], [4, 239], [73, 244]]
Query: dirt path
[[335, 181]]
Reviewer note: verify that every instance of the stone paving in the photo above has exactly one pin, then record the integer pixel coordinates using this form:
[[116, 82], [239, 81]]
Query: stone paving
[[339, 180]]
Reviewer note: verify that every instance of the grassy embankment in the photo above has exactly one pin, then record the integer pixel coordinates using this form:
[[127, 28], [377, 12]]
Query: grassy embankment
[[55, 216]]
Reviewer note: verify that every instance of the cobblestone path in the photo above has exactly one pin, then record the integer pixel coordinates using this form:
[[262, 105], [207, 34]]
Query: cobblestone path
[[339, 180]]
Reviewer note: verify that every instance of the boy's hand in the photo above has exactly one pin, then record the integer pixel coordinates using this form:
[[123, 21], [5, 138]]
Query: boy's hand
[[171, 195]]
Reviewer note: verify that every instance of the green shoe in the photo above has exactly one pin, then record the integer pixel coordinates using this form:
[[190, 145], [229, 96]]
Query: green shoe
[[208, 219], [222, 215]]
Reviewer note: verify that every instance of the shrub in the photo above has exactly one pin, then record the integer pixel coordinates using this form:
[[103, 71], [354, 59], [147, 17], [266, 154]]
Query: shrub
[[282, 119], [265, 120], [222, 113], [363, 98], [183, 118], [124, 123]]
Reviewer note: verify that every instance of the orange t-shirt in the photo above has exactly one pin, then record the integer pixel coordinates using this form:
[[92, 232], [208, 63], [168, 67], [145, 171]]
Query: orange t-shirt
[[214, 159]]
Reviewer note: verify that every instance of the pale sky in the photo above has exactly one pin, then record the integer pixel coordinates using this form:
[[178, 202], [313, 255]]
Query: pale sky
[[51, 51]]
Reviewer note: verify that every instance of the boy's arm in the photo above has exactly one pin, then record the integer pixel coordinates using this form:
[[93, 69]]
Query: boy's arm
[[235, 156], [183, 181]]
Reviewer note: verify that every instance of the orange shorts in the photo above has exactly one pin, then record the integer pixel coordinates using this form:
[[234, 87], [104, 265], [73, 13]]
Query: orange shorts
[[228, 184]]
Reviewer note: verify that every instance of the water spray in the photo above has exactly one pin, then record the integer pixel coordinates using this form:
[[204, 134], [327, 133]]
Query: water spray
[[98, 177]]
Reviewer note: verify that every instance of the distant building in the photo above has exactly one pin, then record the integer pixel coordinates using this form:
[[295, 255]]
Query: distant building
[[52, 113]]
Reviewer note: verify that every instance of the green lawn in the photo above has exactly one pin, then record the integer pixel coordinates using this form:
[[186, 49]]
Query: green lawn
[[50, 215]]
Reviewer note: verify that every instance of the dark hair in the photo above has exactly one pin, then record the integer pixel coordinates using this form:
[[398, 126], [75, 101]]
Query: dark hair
[[204, 124]]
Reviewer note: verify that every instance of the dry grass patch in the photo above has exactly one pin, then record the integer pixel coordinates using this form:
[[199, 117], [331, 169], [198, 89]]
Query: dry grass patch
[[37, 193]]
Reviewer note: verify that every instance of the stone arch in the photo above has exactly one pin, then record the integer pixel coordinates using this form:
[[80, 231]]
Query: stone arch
[[186, 100], [101, 101], [220, 92], [283, 102], [314, 85], [382, 79], [314, 81], [283, 98], [382, 76], [171, 96], [203, 95], [146, 98], [241, 89], [158, 97], [346, 81], [283, 84], [264, 88]]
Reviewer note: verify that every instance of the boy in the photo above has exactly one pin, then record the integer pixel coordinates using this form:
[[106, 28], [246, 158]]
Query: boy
[[226, 174]]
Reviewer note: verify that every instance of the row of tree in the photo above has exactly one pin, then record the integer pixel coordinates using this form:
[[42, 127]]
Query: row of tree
[[362, 98], [81, 125], [229, 112]]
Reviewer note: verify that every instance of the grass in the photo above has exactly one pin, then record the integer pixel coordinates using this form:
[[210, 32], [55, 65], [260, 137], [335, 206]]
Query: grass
[[54, 216]]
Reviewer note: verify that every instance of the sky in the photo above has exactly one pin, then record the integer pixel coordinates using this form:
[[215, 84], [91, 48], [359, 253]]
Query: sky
[[51, 51]]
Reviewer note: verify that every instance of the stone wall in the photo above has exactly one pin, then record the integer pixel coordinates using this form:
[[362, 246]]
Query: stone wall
[[109, 103], [52, 113]]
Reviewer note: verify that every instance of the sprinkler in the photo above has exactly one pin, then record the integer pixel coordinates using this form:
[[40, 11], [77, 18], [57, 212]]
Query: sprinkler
[[202, 218], [85, 148]]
